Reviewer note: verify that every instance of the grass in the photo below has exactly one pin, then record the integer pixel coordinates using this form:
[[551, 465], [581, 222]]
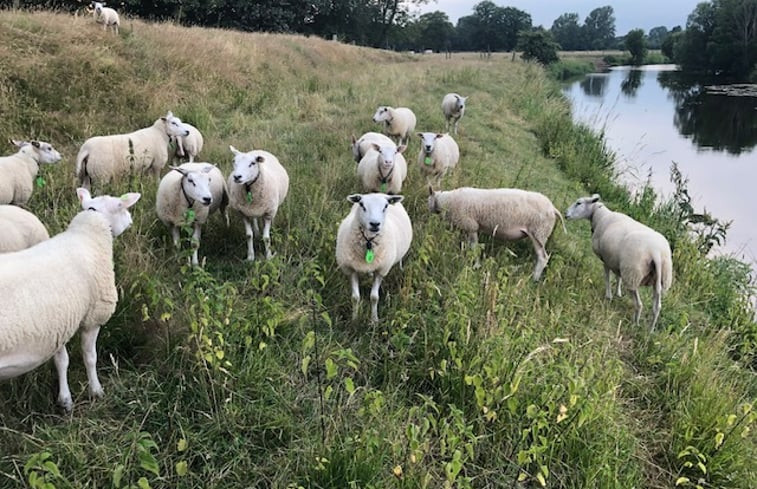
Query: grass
[[253, 375]]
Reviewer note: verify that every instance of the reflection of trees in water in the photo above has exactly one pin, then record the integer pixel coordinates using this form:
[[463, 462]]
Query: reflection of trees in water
[[712, 121], [631, 84], [594, 85]]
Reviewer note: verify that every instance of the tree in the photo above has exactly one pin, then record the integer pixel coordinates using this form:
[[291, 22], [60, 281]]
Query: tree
[[566, 31], [657, 36], [512, 21], [668, 45], [434, 31], [538, 45], [635, 45], [691, 48], [599, 28]]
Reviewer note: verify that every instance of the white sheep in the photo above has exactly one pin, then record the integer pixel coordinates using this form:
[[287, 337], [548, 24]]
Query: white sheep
[[187, 195], [361, 146], [102, 158], [257, 187], [18, 171], [105, 16], [438, 155], [383, 169], [20, 229], [189, 140], [374, 237], [453, 106], [637, 254], [505, 213], [398, 123], [59, 286]]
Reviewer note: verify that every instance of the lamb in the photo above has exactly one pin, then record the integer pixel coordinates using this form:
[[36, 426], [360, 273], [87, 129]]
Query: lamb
[[374, 236], [18, 171], [257, 187], [361, 146], [103, 158], [453, 106], [59, 286], [398, 123], [105, 16], [20, 229], [506, 213], [636, 254], [439, 154], [383, 169], [188, 138], [187, 195]]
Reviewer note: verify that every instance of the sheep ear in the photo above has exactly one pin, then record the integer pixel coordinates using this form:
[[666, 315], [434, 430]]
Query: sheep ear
[[16, 143], [259, 159], [353, 139], [234, 150], [402, 148], [207, 169], [84, 195], [420, 134], [129, 199], [394, 199], [35, 144], [178, 169], [355, 198], [439, 136], [594, 198], [430, 190], [169, 115], [377, 147]]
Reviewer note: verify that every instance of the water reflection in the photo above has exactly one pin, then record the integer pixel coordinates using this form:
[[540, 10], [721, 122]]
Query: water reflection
[[631, 84], [595, 84]]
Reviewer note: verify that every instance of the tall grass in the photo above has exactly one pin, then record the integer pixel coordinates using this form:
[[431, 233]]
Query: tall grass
[[253, 375]]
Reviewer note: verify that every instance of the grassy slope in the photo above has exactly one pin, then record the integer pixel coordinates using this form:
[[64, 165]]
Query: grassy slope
[[474, 377]]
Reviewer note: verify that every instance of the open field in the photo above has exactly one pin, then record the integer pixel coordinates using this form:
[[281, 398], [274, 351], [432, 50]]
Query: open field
[[253, 375]]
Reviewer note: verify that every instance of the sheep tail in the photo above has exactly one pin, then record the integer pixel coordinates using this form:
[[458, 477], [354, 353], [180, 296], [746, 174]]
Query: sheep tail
[[81, 166], [559, 214], [665, 270]]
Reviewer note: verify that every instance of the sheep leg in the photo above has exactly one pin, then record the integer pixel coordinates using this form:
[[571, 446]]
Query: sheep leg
[[355, 284], [638, 306], [473, 244], [175, 235], [180, 147], [608, 287], [542, 257], [620, 282], [89, 354], [196, 244], [248, 232], [61, 365], [656, 300], [267, 237], [255, 226], [375, 297]]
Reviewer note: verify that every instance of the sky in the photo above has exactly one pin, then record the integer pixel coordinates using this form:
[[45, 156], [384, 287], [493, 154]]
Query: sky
[[629, 14]]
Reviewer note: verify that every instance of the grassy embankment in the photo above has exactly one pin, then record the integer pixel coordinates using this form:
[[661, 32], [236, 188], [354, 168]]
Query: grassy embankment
[[573, 64], [253, 375]]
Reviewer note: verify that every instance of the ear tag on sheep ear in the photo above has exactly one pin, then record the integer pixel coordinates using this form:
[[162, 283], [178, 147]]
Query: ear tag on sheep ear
[[383, 187], [428, 160], [249, 197], [190, 216], [40, 181]]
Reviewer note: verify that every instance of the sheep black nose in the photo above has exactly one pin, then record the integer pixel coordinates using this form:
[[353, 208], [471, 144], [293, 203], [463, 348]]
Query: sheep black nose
[[237, 178], [375, 226], [207, 200]]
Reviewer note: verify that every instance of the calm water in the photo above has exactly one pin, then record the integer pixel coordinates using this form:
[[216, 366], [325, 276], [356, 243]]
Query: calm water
[[654, 116]]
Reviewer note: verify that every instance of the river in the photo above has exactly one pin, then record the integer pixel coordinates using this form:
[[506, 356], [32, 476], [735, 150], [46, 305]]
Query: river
[[653, 116]]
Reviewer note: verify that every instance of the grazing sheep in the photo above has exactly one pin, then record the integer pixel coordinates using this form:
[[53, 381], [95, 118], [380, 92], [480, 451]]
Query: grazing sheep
[[361, 146], [19, 229], [188, 138], [257, 187], [18, 171], [398, 123], [638, 255], [59, 286], [187, 196], [105, 16], [453, 106], [102, 158], [505, 213], [383, 169], [374, 237], [439, 154]]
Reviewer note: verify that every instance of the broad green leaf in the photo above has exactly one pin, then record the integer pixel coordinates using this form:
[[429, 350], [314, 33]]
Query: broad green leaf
[[682, 480], [181, 468]]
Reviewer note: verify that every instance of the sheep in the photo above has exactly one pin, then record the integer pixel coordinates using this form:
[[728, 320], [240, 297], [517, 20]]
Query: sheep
[[637, 255], [102, 158], [59, 286], [361, 146], [257, 187], [187, 195], [374, 236], [383, 169], [18, 171], [188, 138], [105, 16], [453, 106], [439, 154], [20, 229], [398, 123], [506, 213]]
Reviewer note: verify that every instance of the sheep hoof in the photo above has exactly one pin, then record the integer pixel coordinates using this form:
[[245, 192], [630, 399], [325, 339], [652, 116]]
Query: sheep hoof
[[66, 403]]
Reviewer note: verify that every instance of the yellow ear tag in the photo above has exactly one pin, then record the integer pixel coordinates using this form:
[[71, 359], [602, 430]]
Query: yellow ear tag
[[369, 256], [428, 160]]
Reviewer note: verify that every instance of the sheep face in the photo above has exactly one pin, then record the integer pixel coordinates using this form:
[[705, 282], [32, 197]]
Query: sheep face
[[44, 152], [387, 154], [583, 208], [382, 114], [428, 140], [196, 184], [97, 7], [115, 209], [459, 103], [174, 127], [246, 166], [372, 209]]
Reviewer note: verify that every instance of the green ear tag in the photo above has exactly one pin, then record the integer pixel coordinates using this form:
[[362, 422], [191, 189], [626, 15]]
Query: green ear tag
[[40, 181], [369, 255], [383, 187], [428, 160], [249, 197], [190, 215]]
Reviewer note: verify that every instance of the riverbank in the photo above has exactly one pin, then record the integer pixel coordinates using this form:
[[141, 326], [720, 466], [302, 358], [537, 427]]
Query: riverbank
[[241, 374]]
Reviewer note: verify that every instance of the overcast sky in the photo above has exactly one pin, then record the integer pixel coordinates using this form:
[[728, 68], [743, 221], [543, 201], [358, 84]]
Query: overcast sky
[[629, 14]]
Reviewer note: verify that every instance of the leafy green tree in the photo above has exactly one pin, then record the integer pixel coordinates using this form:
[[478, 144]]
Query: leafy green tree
[[512, 21], [636, 46], [538, 45], [567, 32], [599, 28], [733, 44], [434, 31], [691, 49], [657, 36], [668, 45]]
